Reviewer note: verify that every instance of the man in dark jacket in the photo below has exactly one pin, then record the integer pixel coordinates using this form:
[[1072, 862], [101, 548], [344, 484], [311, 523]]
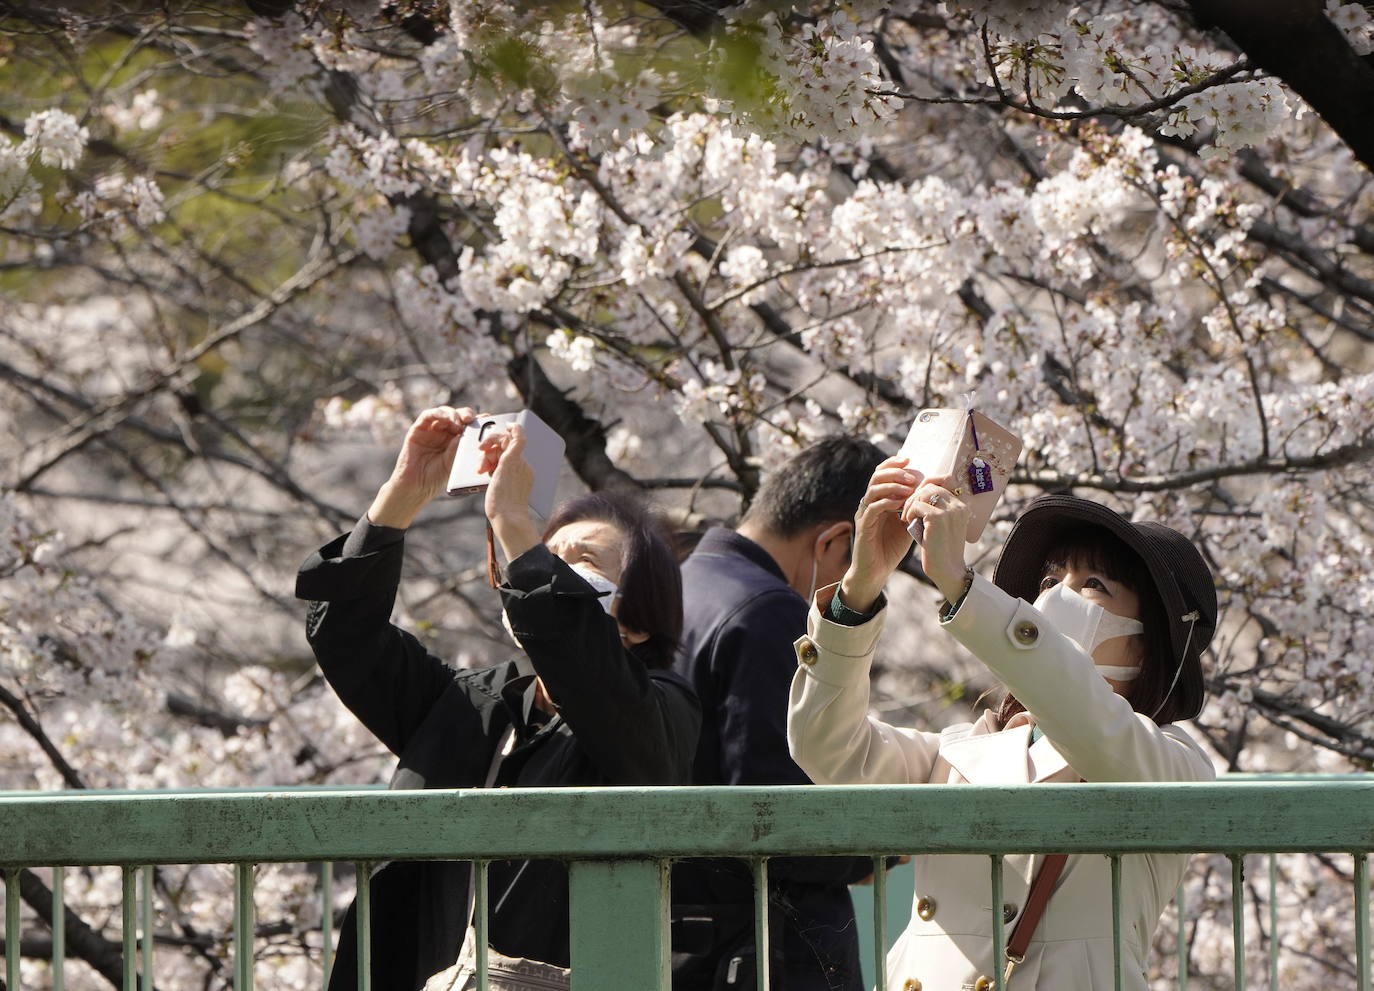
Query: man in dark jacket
[[745, 597]]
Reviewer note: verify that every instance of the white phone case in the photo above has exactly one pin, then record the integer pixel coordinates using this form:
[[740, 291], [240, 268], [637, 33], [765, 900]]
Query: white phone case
[[941, 442], [543, 451]]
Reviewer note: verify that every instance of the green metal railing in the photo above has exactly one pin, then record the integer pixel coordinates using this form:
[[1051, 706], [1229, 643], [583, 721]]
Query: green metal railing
[[619, 842]]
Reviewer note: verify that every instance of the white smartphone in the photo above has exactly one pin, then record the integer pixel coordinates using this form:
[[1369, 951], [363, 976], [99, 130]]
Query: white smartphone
[[979, 452], [543, 450]]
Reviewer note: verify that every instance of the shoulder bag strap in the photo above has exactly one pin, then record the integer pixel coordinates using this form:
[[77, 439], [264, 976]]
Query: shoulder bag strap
[[1041, 889], [1039, 896]]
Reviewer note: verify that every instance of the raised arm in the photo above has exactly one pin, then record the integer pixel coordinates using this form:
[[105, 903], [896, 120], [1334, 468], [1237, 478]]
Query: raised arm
[[380, 672], [830, 733], [638, 727], [383, 674], [1095, 729]]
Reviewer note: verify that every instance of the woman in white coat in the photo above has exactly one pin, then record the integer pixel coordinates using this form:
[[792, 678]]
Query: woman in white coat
[[1096, 626]]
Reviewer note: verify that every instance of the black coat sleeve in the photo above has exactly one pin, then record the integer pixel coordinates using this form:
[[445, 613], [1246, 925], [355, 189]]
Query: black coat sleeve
[[637, 726], [382, 673]]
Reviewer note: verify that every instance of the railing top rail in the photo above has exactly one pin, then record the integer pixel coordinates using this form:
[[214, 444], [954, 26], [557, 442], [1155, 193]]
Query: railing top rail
[[1246, 815]]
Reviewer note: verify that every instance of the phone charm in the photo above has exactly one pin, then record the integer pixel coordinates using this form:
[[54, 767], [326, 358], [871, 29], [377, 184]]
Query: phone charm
[[979, 471], [979, 476]]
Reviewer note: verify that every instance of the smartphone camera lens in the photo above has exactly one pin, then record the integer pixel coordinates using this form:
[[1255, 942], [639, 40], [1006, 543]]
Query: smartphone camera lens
[[927, 416]]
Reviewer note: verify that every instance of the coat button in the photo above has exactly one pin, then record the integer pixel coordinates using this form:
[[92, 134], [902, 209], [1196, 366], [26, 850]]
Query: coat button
[[984, 983], [925, 908], [1026, 632], [807, 652], [1008, 913], [911, 984]]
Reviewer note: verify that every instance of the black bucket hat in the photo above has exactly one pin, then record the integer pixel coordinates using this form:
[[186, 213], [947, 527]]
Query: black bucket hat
[[1181, 576]]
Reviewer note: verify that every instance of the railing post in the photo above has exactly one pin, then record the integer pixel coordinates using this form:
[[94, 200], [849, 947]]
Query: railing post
[[762, 950], [363, 920], [1181, 949], [481, 911], [327, 919], [880, 922], [1362, 919], [1273, 922], [1238, 916], [244, 926], [146, 885], [1116, 921], [59, 928], [619, 924], [999, 936], [12, 928], [129, 906]]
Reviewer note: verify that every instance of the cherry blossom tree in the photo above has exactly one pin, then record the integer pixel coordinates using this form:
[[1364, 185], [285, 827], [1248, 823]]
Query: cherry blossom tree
[[245, 243]]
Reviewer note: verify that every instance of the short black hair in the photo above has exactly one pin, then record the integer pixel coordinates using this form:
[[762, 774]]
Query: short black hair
[[1154, 691], [650, 580], [824, 482]]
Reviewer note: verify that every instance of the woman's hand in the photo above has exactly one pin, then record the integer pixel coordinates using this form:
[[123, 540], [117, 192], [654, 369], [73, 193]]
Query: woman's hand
[[422, 467], [880, 536], [508, 495], [945, 518]]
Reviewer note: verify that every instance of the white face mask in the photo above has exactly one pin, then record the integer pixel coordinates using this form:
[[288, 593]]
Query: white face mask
[[599, 582], [1088, 624]]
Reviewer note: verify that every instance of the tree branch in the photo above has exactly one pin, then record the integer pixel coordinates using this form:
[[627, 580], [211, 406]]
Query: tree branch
[[106, 416], [35, 729], [1337, 457]]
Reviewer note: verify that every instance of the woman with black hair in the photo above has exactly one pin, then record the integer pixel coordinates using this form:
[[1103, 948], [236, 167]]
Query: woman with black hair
[[595, 604], [1096, 625]]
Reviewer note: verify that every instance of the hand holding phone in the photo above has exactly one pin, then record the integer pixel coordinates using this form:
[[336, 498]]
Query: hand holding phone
[[476, 458], [423, 464], [977, 452], [512, 478]]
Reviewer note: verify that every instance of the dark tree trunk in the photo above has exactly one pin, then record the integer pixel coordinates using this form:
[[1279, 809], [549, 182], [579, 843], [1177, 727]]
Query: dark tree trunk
[[1294, 40]]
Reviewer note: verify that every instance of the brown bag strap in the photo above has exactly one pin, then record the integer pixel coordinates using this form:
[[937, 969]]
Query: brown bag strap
[[1039, 896], [493, 569], [1041, 889]]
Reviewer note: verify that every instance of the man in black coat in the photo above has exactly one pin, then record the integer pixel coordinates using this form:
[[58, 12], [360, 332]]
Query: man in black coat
[[745, 597]]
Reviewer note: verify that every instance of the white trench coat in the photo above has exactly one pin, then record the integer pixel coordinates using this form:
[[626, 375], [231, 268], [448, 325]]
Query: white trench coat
[[1089, 732]]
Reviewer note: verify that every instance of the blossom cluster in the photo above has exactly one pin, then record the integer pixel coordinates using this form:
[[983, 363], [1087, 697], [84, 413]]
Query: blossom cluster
[[1354, 22], [51, 137], [826, 83], [115, 198], [1051, 50]]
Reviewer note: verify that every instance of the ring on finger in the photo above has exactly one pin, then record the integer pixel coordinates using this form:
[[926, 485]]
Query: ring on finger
[[959, 491], [934, 500]]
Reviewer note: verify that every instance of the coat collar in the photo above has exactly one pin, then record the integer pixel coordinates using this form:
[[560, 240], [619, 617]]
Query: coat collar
[[727, 543], [1003, 757]]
